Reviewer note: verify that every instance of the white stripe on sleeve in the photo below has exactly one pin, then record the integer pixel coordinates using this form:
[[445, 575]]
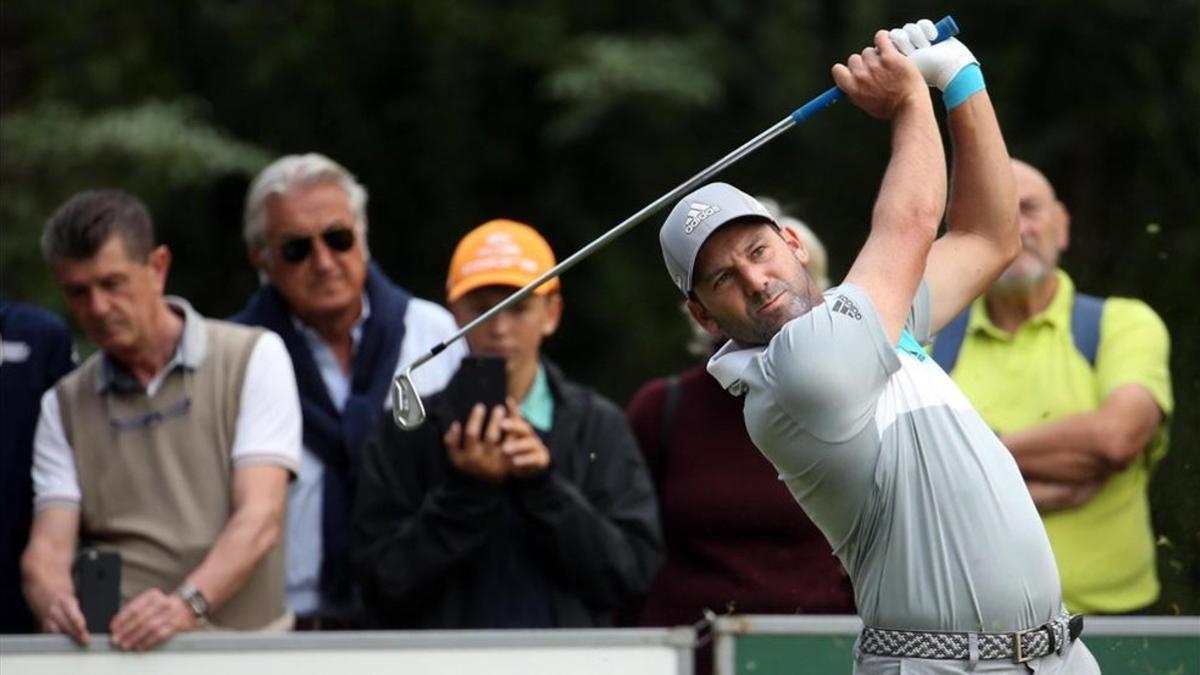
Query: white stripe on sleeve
[[55, 482], [269, 426]]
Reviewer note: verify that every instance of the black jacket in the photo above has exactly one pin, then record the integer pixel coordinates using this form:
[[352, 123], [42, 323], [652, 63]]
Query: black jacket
[[419, 523]]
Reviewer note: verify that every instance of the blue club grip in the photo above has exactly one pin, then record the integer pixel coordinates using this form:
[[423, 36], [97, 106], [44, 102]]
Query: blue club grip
[[946, 28]]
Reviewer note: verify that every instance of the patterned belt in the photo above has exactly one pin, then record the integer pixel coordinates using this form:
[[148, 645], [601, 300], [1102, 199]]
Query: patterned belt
[[1021, 646]]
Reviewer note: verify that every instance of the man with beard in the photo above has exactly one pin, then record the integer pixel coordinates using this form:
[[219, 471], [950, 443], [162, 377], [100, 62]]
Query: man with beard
[[762, 557], [1079, 390], [925, 508]]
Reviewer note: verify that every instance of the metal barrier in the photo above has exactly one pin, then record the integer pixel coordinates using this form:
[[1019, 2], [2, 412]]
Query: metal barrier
[[515, 652], [821, 645]]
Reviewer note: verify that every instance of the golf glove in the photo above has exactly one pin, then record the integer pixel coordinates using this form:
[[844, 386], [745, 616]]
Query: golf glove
[[948, 65]]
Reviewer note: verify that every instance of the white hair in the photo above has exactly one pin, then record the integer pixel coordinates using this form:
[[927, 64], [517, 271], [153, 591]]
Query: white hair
[[291, 171]]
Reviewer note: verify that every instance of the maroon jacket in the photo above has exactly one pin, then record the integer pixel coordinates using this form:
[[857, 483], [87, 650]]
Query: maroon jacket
[[736, 540]]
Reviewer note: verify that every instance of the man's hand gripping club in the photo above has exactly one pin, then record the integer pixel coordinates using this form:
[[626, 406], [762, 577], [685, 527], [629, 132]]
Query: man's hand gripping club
[[880, 80]]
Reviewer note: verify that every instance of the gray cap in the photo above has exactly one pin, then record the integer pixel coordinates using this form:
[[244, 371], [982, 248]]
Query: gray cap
[[695, 218]]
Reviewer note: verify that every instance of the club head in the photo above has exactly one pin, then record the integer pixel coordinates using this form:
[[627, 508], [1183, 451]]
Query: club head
[[407, 409]]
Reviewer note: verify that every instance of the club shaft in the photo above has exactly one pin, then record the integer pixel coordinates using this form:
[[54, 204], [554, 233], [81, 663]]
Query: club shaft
[[625, 225], [946, 28]]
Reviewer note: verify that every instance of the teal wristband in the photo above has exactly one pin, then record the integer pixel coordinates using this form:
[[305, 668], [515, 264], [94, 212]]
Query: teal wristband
[[968, 81]]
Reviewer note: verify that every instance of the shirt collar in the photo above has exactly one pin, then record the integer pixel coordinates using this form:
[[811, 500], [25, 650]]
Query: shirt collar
[[538, 406], [1057, 313], [189, 352], [356, 329], [728, 364]]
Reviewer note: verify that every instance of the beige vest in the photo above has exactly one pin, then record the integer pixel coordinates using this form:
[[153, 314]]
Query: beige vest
[[161, 494]]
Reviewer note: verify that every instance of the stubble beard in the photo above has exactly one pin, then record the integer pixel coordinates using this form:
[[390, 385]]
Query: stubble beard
[[798, 300], [1025, 275], [796, 307]]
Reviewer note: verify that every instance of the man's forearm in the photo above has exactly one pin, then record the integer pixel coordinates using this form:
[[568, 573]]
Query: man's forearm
[[914, 186], [1067, 450], [256, 525], [983, 197], [1052, 497], [246, 538], [47, 574], [46, 562], [1088, 446]]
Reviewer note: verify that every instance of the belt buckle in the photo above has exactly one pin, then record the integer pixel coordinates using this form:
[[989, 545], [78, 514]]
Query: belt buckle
[[1019, 655]]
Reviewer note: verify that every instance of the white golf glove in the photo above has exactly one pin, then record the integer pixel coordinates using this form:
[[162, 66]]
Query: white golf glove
[[939, 63]]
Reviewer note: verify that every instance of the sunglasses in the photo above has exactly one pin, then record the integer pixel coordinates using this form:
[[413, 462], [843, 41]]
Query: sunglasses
[[338, 238], [154, 417]]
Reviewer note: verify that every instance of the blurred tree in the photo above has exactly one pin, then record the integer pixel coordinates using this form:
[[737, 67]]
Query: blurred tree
[[161, 152]]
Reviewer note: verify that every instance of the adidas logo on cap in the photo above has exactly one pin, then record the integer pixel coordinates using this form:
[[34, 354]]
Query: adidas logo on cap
[[696, 214]]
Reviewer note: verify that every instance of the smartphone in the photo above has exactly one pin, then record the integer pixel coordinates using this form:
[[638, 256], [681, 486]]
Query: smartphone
[[97, 575], [480, 379]]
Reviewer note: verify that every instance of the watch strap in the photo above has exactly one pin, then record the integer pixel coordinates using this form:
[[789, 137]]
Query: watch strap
[[195, 600]]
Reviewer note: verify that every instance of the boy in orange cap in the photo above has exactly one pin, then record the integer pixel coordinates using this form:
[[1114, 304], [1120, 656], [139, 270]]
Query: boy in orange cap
[[535, 514], [489, 263]]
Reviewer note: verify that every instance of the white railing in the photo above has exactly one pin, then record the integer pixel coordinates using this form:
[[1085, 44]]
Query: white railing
[[515, 652]]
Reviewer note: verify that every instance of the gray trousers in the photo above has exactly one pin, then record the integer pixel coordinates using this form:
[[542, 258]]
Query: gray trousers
[[1075, 660]]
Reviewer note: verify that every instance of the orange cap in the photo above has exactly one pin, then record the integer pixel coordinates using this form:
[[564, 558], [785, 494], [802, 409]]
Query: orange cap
[[499, 253]]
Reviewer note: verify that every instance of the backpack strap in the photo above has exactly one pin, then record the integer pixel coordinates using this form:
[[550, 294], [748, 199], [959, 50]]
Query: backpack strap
[[1086, 312], [668, 416], [949, 341], [664, 431]]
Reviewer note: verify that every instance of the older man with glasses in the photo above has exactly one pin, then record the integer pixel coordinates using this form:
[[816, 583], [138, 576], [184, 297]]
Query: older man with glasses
[[171, 446], [348, 329]]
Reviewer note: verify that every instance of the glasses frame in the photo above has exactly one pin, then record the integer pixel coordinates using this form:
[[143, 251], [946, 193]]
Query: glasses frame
[[295, 250], [157, 416]]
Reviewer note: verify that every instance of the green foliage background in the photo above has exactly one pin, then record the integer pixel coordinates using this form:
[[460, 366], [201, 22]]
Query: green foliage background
[[571, 116]]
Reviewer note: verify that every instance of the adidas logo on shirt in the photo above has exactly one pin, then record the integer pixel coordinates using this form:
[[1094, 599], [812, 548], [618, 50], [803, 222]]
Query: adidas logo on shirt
[[845, 306], [696, 214]]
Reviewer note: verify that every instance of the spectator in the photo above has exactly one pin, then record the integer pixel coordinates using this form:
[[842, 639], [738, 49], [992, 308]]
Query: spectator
[[35, 350], [1079, 390], [760, 558], [348, 329], [542, 517], [172, 444]]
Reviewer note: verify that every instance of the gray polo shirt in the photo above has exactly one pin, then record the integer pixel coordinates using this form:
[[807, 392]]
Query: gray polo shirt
[[921, 502]]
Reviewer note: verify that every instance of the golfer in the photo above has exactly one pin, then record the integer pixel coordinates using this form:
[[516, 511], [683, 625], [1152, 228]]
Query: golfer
[[922, 504]]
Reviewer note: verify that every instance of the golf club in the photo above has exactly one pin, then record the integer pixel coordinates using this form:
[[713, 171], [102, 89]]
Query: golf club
[[407, 409]]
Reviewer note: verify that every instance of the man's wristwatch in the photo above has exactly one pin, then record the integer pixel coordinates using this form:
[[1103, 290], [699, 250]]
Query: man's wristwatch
[[195, 601]]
